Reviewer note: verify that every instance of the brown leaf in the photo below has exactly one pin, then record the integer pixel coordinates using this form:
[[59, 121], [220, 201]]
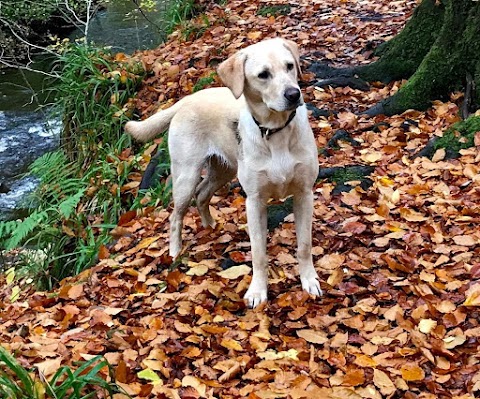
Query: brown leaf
[[312, 336]]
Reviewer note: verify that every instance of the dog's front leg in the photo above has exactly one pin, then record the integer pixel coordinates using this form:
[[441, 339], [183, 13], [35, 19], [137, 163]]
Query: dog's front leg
[[303, 212], [257, 230]]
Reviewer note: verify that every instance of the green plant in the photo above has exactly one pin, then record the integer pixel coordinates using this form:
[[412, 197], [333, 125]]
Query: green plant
[[204, 82], [94, 92], [275, 10], [29, 11], [86, 381], [194, 29], [54, 204], [80, 192], [179, 11]]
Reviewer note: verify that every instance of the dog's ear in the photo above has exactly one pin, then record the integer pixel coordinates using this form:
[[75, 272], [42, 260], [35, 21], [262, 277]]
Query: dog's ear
[[293, 48], [232, 73]]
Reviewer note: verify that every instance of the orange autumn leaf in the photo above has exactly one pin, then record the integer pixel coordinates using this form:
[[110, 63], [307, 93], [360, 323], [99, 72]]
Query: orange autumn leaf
[[412, 372]]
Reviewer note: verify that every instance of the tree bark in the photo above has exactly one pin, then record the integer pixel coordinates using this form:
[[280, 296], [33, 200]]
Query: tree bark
[[438, 47]]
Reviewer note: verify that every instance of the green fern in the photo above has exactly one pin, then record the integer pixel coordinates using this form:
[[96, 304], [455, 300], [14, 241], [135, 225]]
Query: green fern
[[7, 228], [26, 227], [67, 207]]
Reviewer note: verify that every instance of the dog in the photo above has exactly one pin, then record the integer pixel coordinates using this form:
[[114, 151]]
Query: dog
[[256, 128]]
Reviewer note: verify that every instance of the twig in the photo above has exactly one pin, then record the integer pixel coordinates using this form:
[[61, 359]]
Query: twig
[[145, 15], [26, 68]]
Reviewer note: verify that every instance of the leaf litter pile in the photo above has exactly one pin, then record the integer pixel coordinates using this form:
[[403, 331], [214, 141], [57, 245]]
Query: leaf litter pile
[[399, 260]]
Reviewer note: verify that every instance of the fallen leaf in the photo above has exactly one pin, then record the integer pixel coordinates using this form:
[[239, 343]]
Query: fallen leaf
[[235, 272], [412, 372], [151, 376], [383, 382], [312, 336]]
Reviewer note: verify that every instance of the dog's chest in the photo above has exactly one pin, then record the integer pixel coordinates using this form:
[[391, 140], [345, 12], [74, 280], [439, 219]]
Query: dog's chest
[[276, 171], [280, 168]]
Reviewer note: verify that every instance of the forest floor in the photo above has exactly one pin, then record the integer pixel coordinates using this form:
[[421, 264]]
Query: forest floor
[[399, 260]]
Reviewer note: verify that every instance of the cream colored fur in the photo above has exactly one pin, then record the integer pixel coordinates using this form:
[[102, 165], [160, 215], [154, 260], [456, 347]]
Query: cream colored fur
[[262, 82]]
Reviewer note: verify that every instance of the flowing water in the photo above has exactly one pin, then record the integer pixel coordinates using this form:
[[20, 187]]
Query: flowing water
[[28, 127]]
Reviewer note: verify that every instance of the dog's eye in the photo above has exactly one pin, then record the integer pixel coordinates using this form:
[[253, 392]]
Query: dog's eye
[[264, 75], [289, 66]]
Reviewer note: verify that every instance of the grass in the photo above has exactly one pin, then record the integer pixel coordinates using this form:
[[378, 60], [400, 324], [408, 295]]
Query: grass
[[179, 11], [187, 17], [87, 381]]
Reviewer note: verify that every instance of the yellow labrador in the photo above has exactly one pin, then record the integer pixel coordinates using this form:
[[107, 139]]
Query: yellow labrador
[[257, 127]]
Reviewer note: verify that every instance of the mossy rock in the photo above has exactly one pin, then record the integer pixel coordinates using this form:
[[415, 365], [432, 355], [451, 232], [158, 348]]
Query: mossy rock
[[342, 175], [277, 213], [460, 136]]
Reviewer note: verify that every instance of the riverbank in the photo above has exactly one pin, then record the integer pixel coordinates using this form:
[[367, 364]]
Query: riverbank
[[120, 25]]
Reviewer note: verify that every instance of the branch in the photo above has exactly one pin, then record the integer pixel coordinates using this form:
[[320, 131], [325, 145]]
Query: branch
[[21, 39], [26, 68], [73, 13]]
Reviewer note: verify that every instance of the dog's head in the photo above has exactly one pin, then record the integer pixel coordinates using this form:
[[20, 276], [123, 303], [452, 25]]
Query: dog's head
[[266, 71]]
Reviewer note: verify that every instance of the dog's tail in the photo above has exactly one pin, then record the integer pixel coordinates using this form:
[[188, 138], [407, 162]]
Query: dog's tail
[[151, 127]]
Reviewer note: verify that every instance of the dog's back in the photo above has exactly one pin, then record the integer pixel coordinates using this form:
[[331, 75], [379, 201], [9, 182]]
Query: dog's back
[[212, 106]]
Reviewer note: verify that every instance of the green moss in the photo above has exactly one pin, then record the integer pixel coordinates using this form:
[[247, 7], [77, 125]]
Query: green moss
[[275, 10], [344, 175], [401, 56], [461, 135], [447, 62]]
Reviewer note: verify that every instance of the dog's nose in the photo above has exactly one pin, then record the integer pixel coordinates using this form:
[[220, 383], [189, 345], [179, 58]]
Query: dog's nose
[[292, 94]]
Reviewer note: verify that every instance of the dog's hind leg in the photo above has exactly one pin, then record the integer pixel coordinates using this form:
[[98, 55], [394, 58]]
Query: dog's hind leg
[[218, 175], [185, 179]]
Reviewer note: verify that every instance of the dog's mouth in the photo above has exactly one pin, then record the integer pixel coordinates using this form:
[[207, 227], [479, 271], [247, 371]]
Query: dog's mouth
[[294, 106], [288, 107]]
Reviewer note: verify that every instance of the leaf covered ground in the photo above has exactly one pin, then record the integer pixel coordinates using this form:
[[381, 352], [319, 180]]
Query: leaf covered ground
[[399, 261]]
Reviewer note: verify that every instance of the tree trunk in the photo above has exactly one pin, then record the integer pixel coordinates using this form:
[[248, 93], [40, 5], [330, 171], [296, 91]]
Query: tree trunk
[[401, 56], [439, 46]]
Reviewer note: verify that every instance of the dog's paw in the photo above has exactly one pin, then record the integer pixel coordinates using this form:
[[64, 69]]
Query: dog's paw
[[255, 297], [174, 250], [312, 285], [208, 221]]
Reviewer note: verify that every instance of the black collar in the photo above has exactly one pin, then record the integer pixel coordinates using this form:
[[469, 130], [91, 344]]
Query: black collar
[[268, 132]]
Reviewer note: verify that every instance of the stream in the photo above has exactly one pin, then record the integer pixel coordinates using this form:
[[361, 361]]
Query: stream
[[28, 125]]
